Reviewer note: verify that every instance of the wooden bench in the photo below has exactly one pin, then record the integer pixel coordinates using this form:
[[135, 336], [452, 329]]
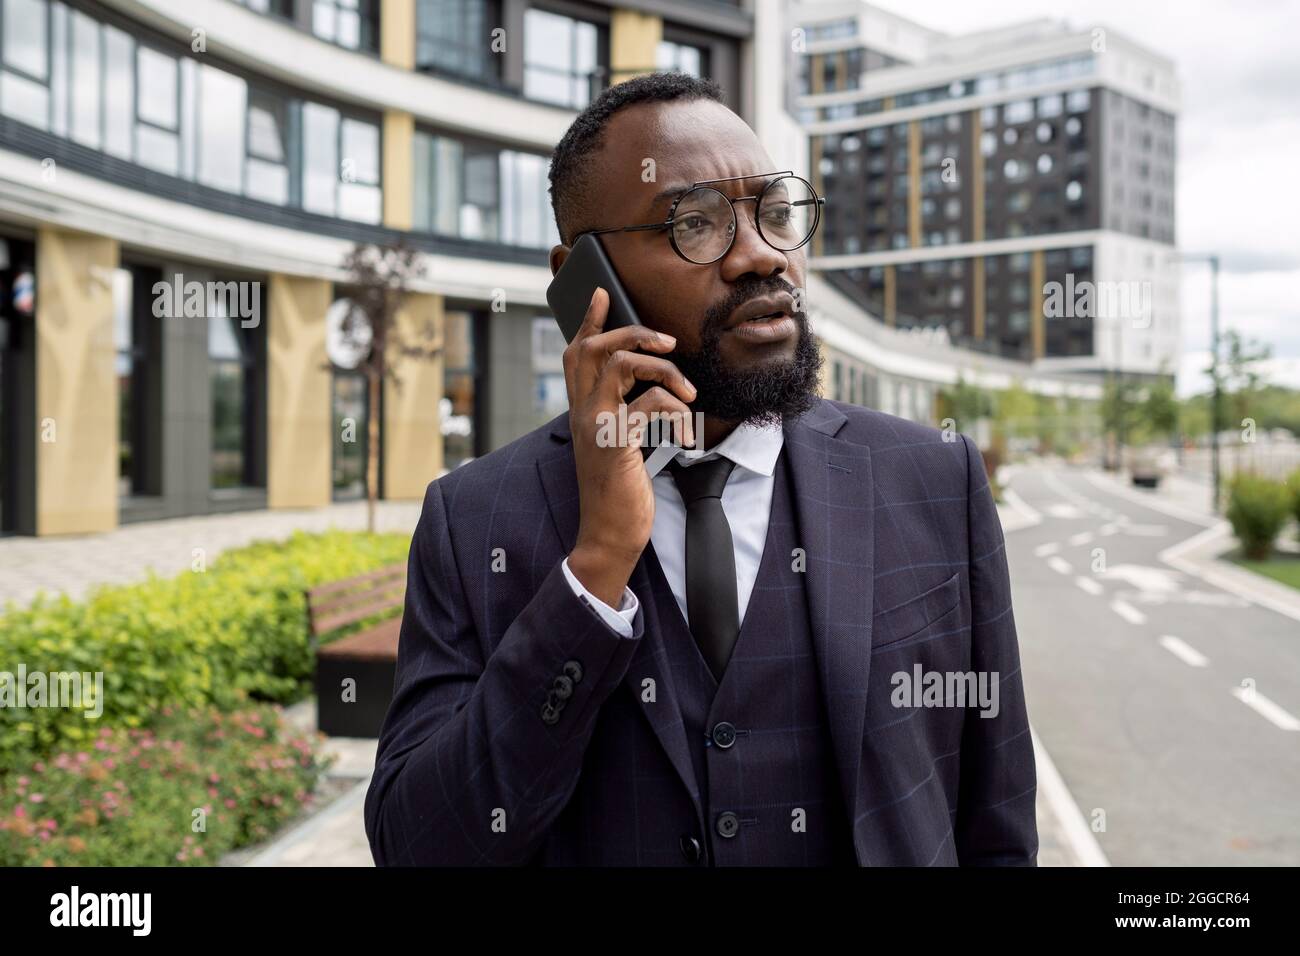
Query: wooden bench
[[368, 656]]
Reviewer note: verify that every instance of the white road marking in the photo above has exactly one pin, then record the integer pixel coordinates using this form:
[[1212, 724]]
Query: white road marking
[[1083, 537], [1183, 651], [1266, 708], [1059, 565], [1107, 530], [1075, 830], [1153, 501], [1089, 585], [1028, 515], [1128, 612], [1043, 550], [1068, 512]]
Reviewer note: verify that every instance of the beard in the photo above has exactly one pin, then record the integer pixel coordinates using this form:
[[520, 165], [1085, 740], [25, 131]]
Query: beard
[[761, 394]]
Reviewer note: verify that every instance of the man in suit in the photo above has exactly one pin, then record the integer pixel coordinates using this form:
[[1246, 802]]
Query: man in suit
[[795, 649]]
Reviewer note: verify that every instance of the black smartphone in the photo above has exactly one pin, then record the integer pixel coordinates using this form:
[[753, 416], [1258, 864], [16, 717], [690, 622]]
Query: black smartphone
[[586, 268]]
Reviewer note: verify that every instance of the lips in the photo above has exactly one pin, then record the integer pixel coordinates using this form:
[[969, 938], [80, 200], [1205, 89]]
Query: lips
[[763, 307]]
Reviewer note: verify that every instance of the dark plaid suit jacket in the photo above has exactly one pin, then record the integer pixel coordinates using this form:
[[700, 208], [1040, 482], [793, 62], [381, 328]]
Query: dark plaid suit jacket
[[905, 567]]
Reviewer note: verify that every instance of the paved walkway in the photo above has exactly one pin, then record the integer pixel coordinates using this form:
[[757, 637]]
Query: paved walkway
[[73, 564]]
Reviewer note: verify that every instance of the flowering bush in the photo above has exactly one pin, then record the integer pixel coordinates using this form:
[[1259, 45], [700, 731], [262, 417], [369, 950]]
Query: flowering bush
[[238, 630], [197, 784]]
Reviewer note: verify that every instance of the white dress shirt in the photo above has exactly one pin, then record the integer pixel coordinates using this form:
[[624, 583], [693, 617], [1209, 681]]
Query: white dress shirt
[[746, 501]]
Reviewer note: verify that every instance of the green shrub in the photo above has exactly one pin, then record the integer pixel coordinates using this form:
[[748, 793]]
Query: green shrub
[[1257, 508], [234, 632], [128, 797], [1293, 483]]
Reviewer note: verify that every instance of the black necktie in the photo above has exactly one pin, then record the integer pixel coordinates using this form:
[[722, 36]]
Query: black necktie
[[710, 561]]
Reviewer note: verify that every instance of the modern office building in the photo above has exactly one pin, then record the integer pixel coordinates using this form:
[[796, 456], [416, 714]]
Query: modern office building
[[1013, 188], [246, 147]]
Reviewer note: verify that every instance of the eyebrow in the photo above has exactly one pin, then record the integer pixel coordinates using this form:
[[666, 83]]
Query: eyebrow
[[671, 192]]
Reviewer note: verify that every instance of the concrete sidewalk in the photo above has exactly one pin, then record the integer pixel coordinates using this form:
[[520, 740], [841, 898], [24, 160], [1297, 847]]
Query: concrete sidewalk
[[74, 564]]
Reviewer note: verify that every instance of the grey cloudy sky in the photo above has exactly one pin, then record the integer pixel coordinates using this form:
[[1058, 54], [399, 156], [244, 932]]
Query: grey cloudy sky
[[1238, 148]]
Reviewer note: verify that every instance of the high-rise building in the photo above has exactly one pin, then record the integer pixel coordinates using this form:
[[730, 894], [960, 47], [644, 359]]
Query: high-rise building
[[1012, 189]]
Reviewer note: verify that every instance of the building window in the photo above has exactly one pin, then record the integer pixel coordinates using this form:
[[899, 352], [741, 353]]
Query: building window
[[459, 390], [340, 164], [25, 79], [562, 58], [483, 192], [352, 24], [130, 355], [682, 57], [350, 407], [177, 115], [455, 36], [233, 365]]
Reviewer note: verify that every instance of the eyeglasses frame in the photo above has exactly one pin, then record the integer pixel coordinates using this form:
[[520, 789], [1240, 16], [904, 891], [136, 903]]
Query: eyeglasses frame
[[818, 202]]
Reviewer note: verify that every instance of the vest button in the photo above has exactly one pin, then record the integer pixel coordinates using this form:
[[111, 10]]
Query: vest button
[[724, 734], [727, 824], [691, 848]]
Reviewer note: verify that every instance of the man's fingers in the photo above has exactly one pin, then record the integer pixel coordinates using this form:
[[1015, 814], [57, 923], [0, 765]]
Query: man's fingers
[[669, 408], [624, 369]]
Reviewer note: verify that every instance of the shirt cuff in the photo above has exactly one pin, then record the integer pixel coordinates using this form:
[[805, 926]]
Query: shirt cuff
[[621, 620]]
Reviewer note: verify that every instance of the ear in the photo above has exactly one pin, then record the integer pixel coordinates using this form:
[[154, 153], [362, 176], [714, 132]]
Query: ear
[[558, 255]]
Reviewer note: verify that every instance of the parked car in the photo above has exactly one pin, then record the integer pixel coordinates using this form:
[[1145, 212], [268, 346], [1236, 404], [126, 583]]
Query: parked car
[[1147, 466]]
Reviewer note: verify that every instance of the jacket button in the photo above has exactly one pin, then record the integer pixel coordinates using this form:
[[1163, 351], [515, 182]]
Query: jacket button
[[562, 687], [724, 734], [550, 713], [573, 671], [727, 824], [691, 848]]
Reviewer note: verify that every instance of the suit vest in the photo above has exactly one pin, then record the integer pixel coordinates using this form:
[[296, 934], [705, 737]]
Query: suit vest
[[760, 739]]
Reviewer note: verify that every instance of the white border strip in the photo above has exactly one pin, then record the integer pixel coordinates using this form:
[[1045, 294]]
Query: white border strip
[[1078, 836]]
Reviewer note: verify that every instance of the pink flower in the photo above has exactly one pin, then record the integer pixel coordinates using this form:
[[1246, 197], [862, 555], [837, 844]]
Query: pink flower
[[37, 798]]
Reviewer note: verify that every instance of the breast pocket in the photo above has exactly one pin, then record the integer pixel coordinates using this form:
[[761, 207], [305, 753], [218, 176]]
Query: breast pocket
[[910, 618]]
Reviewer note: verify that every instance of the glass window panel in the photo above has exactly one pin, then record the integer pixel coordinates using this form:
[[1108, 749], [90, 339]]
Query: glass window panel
[[448, 185], [324, 19], [59, 96], [222, 101], [267, 182], [158, 150], [25, 37], [361, 147], [359, 202], [548, 40], [158, 86], [320, 176], [422, 182], [85, 87], [24, 100], [119, 92], [265, 131], [547, 86], [223, 333], [585, 50]]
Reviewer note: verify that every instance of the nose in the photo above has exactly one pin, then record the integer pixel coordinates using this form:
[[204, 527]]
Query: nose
[[750, 252]]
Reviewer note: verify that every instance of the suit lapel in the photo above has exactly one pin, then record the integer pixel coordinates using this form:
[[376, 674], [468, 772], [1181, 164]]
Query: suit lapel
[[560, 484], [833, 497]]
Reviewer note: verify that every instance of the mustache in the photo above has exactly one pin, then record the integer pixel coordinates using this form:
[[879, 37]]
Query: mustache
[[745, 289]]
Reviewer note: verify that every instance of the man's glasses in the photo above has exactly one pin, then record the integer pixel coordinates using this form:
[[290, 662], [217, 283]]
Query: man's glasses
[[701, 222]]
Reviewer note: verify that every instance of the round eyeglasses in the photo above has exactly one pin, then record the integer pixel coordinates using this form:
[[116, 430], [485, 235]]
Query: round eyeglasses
[[701, 222]]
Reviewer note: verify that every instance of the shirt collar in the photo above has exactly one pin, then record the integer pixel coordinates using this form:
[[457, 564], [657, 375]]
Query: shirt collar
[[754, 447]]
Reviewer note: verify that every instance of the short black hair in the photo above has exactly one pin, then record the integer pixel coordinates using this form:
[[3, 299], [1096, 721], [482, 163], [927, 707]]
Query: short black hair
[[571, 161]]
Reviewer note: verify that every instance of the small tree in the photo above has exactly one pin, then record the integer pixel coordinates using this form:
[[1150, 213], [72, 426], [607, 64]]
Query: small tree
[[379, 282]]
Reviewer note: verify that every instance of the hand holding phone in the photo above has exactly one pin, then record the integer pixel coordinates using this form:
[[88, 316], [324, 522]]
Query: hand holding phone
[[615, 496]]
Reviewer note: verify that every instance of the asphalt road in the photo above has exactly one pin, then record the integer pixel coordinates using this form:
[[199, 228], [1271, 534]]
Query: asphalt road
[[1170, 707]]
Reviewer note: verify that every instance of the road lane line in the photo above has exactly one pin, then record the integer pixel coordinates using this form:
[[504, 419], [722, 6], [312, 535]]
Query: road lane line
[[1028, 515], [1128, 612], [1043, 550], [1075, 830], [1089, 585], [1150, 501], [1083, 537], [1183, 651], [1266, 708], [1059, 565]]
